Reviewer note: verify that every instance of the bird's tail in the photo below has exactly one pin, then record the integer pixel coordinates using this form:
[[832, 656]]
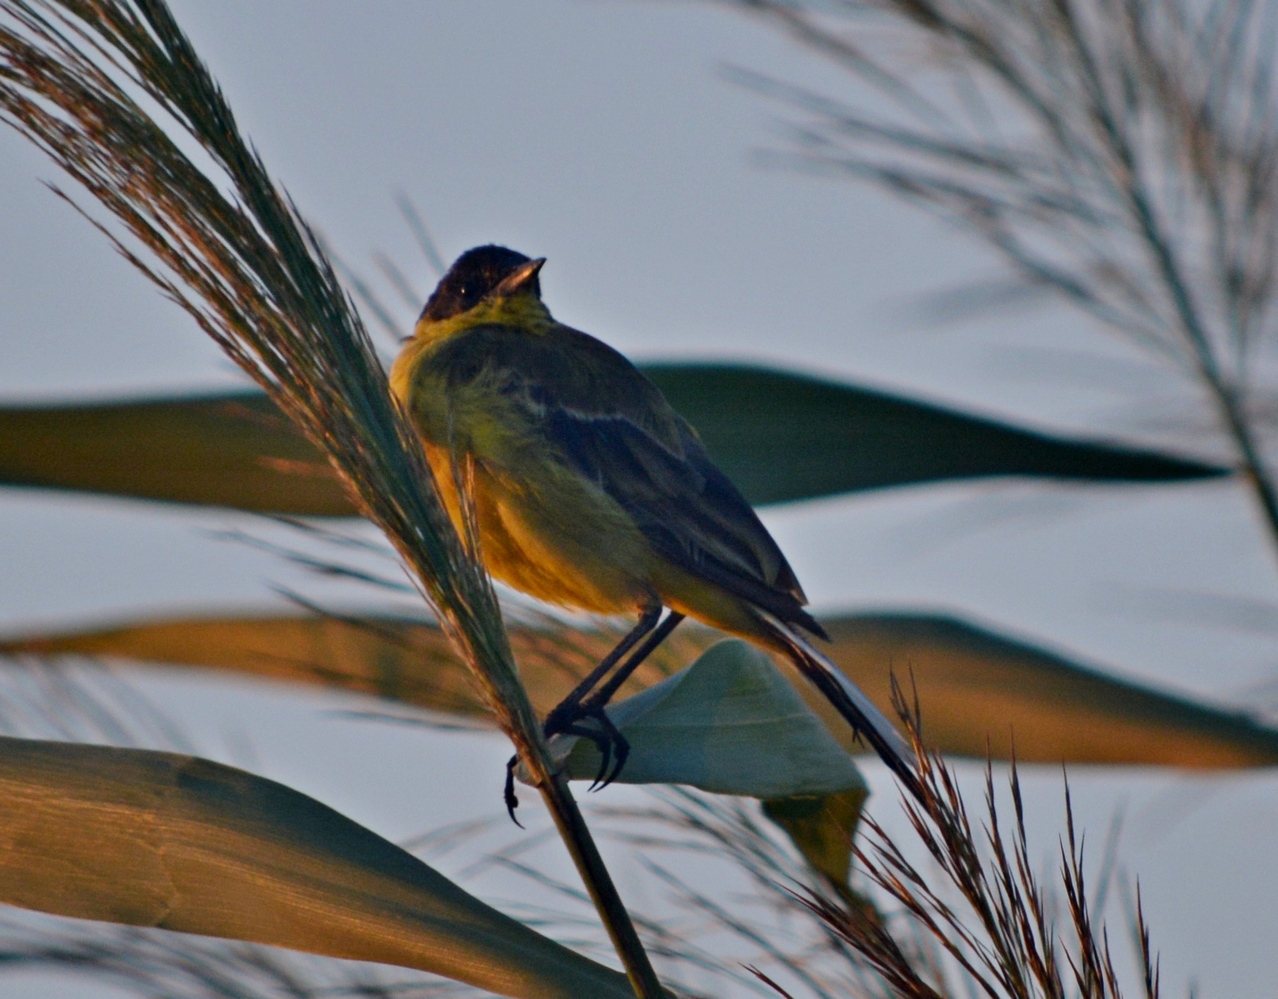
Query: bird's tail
[[867, 721]]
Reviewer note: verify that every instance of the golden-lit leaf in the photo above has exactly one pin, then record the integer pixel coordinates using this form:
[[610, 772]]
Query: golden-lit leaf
[[779, 436], [163, 840], [396, 658], [977, 689], [985, 694], [234, 450]]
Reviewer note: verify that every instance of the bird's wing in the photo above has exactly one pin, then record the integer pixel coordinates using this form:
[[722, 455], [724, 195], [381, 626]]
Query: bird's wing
[[609, 423]]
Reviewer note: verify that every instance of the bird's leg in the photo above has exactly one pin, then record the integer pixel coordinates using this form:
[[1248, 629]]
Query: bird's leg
[[605, 693], [569, 709], [586, 703], [594, 706], [564, 716]]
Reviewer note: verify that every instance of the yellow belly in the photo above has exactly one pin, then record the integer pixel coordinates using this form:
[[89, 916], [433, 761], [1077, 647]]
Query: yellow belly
[[558, 540], [544, 529], [595, 560]]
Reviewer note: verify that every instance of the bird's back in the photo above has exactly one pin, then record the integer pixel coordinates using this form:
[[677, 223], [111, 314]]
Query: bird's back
[[585, 440]]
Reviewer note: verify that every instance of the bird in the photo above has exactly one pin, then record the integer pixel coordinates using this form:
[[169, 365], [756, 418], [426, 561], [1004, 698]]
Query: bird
[[590, 492]]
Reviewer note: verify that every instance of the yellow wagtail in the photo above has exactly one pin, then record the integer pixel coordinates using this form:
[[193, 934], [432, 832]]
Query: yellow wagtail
[[591, 492]]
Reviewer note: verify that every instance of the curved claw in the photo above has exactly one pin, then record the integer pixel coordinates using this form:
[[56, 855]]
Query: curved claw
[[604, 745], [610, 737], [512, 802], [622, 745], [565, 720], [607, 739], [602, 739]]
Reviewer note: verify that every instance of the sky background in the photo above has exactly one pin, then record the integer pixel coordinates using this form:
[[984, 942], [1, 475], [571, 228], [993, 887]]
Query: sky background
[[604, 136]]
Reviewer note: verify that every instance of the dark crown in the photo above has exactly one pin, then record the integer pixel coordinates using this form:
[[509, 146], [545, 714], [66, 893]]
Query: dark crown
[[474, 274]]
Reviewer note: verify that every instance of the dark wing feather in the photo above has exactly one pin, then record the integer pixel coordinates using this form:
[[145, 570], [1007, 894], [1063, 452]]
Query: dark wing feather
[[613, 426]]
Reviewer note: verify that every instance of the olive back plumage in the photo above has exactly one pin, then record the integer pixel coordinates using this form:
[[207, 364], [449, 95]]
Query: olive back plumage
[[604, 419]]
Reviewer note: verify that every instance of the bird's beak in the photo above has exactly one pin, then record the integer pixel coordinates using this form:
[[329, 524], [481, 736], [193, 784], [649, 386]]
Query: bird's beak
[[519, 279]]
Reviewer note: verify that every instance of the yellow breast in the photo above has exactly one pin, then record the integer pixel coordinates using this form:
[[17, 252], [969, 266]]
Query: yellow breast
[[544, 529]]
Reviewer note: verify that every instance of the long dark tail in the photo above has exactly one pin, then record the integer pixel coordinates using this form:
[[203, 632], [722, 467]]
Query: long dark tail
[[867, 721]]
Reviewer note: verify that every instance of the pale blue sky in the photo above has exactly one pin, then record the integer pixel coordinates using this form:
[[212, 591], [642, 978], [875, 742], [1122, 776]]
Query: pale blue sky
[[603, 136]]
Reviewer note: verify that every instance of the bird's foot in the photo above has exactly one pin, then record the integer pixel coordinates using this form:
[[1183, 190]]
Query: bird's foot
[[573, 719]]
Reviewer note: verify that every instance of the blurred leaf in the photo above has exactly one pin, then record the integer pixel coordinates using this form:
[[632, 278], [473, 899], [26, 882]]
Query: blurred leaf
[[977, 689], [985, 694], [728, 724], [400, 659], [783, 436], [175, 842], [823, 828], [235, 450], [779, 436]]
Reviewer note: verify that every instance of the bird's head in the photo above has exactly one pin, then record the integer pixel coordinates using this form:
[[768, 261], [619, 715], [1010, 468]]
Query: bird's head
[[486, 275]]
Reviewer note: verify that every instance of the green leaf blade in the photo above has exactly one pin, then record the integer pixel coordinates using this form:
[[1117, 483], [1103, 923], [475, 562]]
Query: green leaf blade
[[781, 437], [823, 829], [728, 724], [731, 724]]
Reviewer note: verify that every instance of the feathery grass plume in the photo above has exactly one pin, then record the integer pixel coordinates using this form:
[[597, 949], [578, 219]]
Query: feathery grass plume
[[247, 270], [983, 909], [1120, 154], [76, 79]]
